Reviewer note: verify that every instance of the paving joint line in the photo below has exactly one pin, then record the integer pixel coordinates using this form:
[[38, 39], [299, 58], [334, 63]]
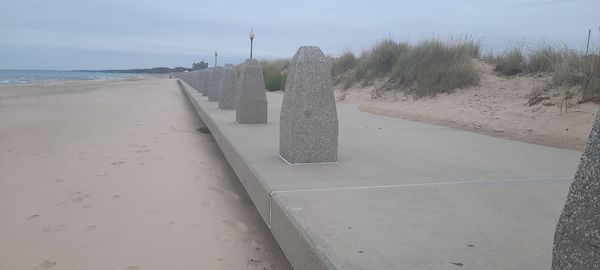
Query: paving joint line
[[427, 184]]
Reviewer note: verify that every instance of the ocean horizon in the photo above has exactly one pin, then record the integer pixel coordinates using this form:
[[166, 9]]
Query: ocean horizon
[[33, 76]]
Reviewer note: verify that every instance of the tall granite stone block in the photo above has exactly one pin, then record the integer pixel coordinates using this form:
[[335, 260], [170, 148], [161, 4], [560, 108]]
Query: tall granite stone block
[[577, 235], [184, 77], [204, 81], [309, 123], [251, 107], [229, 88], [195, 79], [198, 77], [215, 81]]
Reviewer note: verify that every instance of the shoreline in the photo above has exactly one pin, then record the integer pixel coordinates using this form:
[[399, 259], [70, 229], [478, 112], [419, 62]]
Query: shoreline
[[61, 86], [51, 81]]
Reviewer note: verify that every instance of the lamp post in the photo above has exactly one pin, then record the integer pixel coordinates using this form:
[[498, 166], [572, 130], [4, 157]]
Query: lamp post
[[215, 58], [251, 35]]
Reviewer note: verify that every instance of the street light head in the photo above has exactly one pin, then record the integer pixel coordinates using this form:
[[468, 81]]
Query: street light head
[[251, 35]]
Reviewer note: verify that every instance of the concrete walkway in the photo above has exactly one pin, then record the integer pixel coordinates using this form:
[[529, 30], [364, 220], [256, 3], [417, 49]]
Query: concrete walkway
[[404, 195]]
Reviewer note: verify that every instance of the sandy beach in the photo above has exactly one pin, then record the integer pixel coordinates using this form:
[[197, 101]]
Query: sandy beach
[[116, 175]]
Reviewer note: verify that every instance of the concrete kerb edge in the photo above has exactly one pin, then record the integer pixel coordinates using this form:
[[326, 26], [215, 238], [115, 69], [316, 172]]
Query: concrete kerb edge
[[298, 246]]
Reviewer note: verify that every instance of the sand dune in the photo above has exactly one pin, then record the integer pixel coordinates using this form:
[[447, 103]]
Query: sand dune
[[115, 175], [496, 107]]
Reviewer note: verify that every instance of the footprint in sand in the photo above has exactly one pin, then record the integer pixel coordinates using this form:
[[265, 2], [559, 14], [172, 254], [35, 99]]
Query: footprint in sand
[[32, 217], [87, 206], [204, 130], [237, 226], [209, 203], [90, 228], [115, 197], [59, 228], [56, 229], [256, 264], [227, 193], [117, 162], [217, 173], [224, 238], [256, 245], [45, 265], [80, 197]]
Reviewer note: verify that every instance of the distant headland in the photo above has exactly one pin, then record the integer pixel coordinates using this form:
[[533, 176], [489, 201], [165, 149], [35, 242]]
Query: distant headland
[[155, 70]]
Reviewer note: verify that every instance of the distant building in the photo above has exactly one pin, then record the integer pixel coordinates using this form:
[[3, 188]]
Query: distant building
[[201, 65]]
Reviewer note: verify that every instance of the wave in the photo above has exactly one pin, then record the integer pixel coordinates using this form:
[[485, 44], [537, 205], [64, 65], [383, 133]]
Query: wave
[[12, 82]]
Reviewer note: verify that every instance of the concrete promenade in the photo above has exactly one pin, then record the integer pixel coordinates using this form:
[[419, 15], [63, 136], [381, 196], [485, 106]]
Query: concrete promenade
[[404, 195]]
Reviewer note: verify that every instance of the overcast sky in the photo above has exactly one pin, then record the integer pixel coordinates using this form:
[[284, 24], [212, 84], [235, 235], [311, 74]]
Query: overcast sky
[[103, 34]]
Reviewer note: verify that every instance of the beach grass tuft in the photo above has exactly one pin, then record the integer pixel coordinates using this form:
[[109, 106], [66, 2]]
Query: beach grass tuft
[[429, 67], [275, 73], [566, 67]]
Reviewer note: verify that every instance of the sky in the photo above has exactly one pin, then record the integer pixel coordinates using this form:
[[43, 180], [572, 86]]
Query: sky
[[120, 34]]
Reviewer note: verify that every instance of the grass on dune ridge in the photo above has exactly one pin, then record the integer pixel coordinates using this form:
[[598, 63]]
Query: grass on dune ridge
[[433, 66], [565, 66], [429, 67]]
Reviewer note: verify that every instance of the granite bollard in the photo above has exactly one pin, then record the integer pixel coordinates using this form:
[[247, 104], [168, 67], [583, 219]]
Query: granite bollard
[[196, 80], [309, 124], [215, 81], [577, 235], [184, 77], [205, 80], [251, 107], [228, 89]]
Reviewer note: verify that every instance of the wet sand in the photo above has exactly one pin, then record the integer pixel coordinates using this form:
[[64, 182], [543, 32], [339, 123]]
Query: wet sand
[[116, 175]]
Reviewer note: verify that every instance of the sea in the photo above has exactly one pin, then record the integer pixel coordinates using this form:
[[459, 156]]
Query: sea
[[23, 77]]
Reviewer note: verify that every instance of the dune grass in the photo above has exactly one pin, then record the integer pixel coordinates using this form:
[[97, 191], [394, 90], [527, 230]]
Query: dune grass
[[590, 78], [565, 66], [510, 62], [345, 62], [576, 69], [431, 66], [275, 73], [517, 60]]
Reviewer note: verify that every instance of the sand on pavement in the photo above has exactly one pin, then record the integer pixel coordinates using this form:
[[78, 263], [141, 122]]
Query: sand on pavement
[[115, 175]]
